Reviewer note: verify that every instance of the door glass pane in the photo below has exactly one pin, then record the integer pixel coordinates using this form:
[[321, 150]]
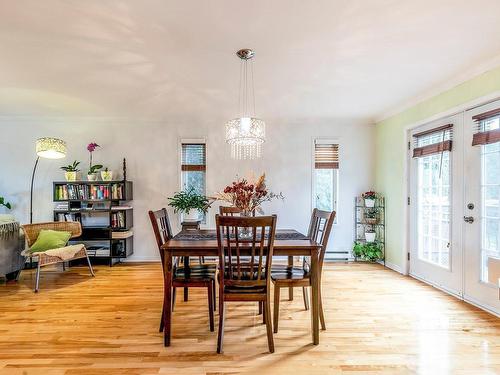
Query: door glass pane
[[433, 208], [490, 208]]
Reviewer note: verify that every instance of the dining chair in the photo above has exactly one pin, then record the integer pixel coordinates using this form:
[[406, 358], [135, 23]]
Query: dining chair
[[290, 276], [194, 276], [246, 279], [235, 211]]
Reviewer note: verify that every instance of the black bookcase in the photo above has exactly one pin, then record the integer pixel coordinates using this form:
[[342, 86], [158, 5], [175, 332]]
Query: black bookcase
[[104, 210]]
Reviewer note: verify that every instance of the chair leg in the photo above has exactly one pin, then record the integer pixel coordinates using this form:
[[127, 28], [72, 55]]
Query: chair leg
[[173, 297], [90, 265], [210, 307], [321, 314], [276, 307], [161, 318], [305, 293], [261, 304], [186, 294], [269, 326], [290, 293], [37, 276], [214, 295], [64, 266], [220, 335]]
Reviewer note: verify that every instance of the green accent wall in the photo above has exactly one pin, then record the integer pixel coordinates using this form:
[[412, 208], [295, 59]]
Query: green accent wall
[[391, 151]]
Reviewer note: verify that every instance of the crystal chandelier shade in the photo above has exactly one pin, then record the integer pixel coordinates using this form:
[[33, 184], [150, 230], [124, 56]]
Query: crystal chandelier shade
[[245, 134]]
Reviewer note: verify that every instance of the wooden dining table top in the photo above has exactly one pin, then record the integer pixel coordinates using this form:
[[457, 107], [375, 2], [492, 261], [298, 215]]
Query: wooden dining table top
[[207, 245]]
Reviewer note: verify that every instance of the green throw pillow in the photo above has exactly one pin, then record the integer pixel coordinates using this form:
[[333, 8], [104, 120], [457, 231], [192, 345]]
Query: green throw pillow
[[50, 239]]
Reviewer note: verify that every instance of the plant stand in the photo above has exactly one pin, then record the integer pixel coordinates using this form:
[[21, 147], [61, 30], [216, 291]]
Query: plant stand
[[370, 218]]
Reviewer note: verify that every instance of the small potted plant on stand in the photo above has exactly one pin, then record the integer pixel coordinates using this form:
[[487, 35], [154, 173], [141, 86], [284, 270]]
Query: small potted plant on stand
[[369, 198], [190, 204], [370, 235], [93, 169], [106, 174], [70, 171]]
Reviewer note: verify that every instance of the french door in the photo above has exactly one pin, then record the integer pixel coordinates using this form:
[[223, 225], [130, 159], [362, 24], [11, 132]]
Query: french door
[[455, 204], [435, 197], [482, 204]]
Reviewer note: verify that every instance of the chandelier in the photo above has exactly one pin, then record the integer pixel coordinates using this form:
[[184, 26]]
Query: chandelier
[[246, 133]]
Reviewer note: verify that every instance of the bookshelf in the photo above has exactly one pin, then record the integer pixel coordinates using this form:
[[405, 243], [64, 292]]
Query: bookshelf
[[104, 210]]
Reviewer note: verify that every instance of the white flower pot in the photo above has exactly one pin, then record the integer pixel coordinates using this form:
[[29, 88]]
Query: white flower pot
[[107, 176], [70, 176], [192, 215], [369, 203], [92, 176], [370, 237]]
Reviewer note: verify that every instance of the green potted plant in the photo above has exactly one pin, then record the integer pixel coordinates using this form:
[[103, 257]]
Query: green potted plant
[[106, 174], [189, 203], [369, 198], [370, 251], [70, 171], [371, 216]]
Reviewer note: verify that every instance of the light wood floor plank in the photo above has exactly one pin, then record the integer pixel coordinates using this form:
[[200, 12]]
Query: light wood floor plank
[[378, 322]]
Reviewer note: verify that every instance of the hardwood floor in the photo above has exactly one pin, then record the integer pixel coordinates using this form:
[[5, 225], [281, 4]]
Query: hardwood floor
[[377, 322]]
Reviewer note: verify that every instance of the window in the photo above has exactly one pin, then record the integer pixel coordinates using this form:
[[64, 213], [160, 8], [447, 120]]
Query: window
[[193, 167], [326, 167], [432, 151]]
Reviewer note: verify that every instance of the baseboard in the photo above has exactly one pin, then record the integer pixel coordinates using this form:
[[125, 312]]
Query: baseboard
[[141, 260], [394, 267]]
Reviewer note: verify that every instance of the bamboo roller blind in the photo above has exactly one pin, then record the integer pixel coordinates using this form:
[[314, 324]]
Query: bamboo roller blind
[[326, 156]]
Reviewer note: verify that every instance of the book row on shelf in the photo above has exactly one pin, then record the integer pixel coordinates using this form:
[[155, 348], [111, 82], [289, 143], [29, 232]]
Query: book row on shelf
[[91, 192], [118, 219], [68, 217]]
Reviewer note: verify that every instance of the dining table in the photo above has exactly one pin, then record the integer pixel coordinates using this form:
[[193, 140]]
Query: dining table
[[199, 243]]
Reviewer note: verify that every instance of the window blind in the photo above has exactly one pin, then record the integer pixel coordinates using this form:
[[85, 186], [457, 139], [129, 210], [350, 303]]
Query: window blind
[[193, 157], [326, 156], [433, 141], [487, 128]]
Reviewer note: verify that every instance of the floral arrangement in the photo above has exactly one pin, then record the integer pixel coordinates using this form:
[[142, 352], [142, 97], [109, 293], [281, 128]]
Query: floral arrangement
[[248, 196], [91, 147], [369, 195]]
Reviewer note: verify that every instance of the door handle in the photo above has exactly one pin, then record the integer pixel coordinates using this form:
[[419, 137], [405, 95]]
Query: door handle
[[468, 219]]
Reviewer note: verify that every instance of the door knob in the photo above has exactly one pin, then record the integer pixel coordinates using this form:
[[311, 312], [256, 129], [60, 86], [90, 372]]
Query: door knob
[[468, 219]]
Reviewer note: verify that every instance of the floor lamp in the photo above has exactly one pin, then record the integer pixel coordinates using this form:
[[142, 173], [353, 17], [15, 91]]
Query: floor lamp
[[47, 148]]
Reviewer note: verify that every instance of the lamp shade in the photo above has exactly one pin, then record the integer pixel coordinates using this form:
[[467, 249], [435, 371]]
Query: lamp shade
[[50, 148]]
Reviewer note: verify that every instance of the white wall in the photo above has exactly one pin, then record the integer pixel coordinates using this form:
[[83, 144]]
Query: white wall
[[151, 150]]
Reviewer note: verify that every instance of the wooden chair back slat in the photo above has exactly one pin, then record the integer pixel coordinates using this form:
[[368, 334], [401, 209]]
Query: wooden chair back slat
[[33, 230], [246, 262], [161, 228], [320, 228]]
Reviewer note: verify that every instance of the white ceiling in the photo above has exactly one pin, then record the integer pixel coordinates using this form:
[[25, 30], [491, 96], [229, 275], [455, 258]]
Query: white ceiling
[[163, 59]]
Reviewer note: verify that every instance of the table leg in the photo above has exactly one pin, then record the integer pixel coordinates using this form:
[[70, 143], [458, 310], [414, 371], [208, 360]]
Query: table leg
[[315, 295], [187, 271], [167, 299]]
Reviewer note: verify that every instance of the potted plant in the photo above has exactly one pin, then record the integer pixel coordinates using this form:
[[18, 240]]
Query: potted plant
[[369, 198], [370, 235], [189, 203], [71, 171], [371, 252], [5, 203], [106, 174], [93, 169], [371, 216]]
